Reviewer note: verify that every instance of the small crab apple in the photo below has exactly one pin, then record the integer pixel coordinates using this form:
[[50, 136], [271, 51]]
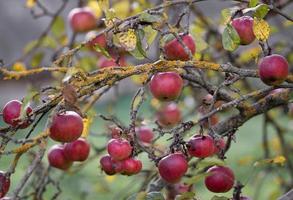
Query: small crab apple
[[107, 165], [166, 86], [131, 166], [11, 114], [173, 167], [244, 27], [144, 134], [57, 158], [273, 69], [77, 150], [220, 179], [82, 19], [201, 146], [66, 127], [96, 39], [111, 62], [174, 50], [4, 184], [169, 115], [119, 149]]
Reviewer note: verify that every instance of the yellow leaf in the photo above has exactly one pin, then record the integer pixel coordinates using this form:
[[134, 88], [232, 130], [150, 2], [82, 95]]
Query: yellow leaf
[[19, 66], [279, 160], [122, 9], [30, 3], [86, 126], [104, 5], [261, 29], [94, 5], [127, 39]]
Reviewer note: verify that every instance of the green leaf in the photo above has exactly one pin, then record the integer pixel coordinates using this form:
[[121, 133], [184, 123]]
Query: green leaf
[[185, 196], [47, 41], [195, 179], [210, 162], [253, 3], [146, 17], [230, 38], [58, 27], [155, 196], [219, 198], [150, 34], [261, 11], [37, 59], [101, 50]]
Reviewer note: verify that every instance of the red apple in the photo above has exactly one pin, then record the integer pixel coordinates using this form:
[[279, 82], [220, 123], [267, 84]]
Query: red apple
[[201, 146], [220, 179], [173, 167], [144, 134], [107, 165], [4, 184], [11, 114], [66, 127], [166, 86], [119, 149], [131, 166], [82, 20], [57, 158], [244, 27], [77, 150], [273, 69], [175, 51], [169, 115]]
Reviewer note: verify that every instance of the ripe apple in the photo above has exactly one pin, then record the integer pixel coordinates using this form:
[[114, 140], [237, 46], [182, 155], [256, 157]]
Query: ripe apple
[[66, 127], [77, 150], [11, 114], [244, 27], [82, 19], [131, 166], [166, 86], [169, 115], [173, 167], [144, 134], [201, 146], [119, 149], [95, 39], [220, 179], [273, 69], [107, 165], [4, 184], [57, 158], [175, 51]]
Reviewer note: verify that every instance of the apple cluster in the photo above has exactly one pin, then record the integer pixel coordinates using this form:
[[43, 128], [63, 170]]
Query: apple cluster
[[67, 128], [119, 158]]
